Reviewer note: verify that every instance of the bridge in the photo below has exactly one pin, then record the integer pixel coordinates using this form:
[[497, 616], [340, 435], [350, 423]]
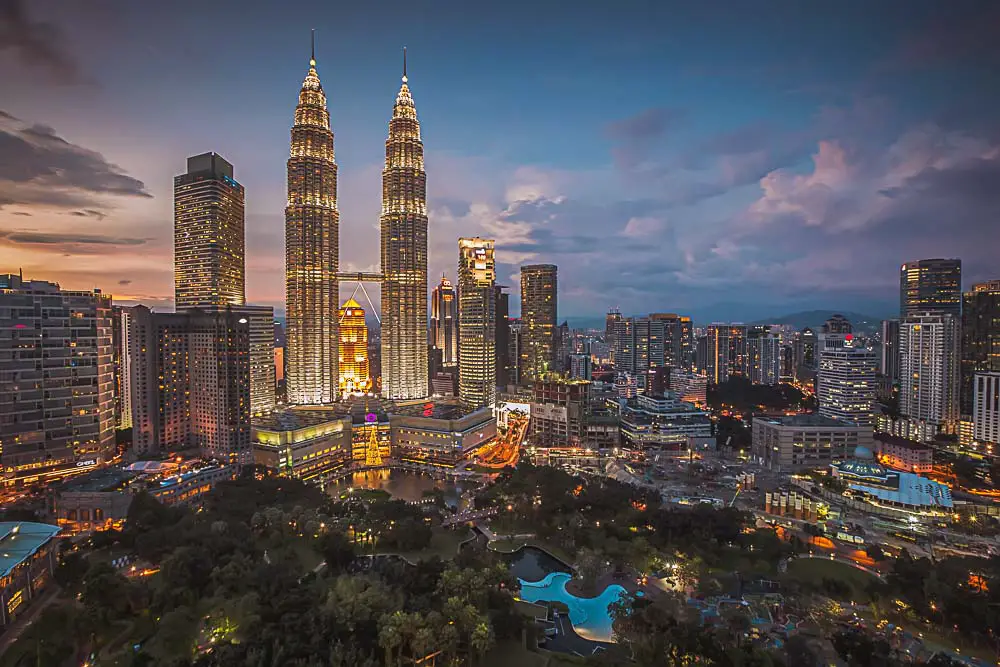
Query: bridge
[[468, 516]]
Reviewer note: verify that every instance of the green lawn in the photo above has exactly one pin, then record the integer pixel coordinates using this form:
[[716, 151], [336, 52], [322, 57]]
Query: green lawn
[[814, 570], [510, 546], [444, 545]]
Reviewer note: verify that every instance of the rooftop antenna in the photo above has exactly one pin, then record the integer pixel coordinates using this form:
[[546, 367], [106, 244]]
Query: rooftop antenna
[[312, 56], [404, 65]]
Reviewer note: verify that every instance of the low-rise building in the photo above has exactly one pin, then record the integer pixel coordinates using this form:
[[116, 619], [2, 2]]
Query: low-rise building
[[867, 479], [663, 424], [805, 441], [98, 500], [689, 387], [305, 444], [27, 561], [439, 433], [903, 454]]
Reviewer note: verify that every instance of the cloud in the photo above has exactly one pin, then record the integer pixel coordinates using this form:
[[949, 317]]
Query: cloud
[[634, 136], [36, 43], [89, 213], [61, 242], [966, 36], [39, 167], [124, 282]]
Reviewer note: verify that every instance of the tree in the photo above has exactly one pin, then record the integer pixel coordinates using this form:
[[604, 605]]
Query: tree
[[175, 635], [337, 550], [481, 639]]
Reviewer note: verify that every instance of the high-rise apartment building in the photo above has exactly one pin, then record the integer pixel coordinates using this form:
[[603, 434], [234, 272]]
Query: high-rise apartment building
[[846, 384], [930, 286], [514, 349], [477, 371], [444, 322], [209, 254], [404, 254], [580, 366], [312, 258], [980, 337], [929, 373], [502, 345], [763, 358], [837, 324], [262, 371], [725, 351], [539, 294], [355, 376], [889, 361], [559, 412], [986, 410], [678, 339], [57, 412], [190, 382], [119, 339], [642, 343]]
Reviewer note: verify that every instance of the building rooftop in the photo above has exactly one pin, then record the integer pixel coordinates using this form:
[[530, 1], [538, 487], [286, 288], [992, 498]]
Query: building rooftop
[[808, 419], [19, 540], [902, 442], [294, 419], [102, 479]]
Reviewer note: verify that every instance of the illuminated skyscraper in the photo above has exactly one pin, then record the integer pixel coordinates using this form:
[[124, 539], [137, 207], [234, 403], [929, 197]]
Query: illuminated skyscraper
[[539, 294], [980, 337], [931, 286], [354, 374], [404, 254], [929, 373], [477, 373], [209, 256], [312, 232], [444, 322]]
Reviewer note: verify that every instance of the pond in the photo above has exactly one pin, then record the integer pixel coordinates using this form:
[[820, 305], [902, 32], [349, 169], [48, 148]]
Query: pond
[[590, 617], [401, 484], [534, 564]]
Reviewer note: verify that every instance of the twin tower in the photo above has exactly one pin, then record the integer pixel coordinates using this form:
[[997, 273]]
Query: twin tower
[[312, 252]]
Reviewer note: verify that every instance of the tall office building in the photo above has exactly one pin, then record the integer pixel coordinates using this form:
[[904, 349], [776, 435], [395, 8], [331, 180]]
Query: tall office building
[[889, 362], [444, 322], [312, 258], [263, 385], [725, 351], [502, 345], [980, 336], [763, 358], [355, 377], [477, 371], [539, 307], [190, 382], [846, 385], [929, 373], [986, 410], [678, 345], [930, 286], [209, 253], [57, 412], [404, 254], [610, 323]]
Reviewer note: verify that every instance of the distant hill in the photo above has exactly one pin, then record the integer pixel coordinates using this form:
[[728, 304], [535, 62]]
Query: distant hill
[[814, 319]]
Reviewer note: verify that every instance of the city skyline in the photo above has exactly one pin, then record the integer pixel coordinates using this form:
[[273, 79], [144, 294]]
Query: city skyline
[[750, 211]]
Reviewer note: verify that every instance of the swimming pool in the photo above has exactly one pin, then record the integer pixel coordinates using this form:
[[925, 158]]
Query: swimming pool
[[590, 616]]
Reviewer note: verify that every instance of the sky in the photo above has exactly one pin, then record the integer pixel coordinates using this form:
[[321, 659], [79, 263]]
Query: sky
[[726, 160]]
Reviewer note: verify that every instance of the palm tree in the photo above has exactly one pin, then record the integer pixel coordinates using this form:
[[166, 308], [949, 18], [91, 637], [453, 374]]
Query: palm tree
[[390, 636]]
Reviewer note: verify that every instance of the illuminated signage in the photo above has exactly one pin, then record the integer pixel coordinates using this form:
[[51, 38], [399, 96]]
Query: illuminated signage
[[88, 462], [371, 418]]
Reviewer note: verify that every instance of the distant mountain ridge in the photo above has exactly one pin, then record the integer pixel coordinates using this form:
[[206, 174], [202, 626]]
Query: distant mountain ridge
[[814, 319]]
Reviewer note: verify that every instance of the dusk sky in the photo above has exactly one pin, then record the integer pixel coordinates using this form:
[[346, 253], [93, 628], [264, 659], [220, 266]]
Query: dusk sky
[[726, 160]]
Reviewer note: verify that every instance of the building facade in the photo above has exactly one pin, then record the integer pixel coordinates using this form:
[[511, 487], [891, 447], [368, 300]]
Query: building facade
[[262, 369], [663, 424], [930, 286], [903, 454], [355, 377], [312, 257], [763, 358], [404, 254], [846, 384], [559, 411], [477, 358], [980, 337], [539, 308], [889, 361], [57, 404], [929, 373], [502, 339], [123, 393]]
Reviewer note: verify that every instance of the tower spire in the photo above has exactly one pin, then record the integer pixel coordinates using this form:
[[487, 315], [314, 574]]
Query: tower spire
[[312, 51], [404, 65]]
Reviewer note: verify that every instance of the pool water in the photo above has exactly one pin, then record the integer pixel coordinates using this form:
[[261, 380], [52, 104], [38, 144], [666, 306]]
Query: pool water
[[590, 616]]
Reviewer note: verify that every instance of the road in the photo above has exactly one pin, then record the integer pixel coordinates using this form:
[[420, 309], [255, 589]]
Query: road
[[507, 449]]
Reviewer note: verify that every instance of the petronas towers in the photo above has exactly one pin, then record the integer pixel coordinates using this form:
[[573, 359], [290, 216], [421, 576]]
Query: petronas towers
[[312, 230]]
